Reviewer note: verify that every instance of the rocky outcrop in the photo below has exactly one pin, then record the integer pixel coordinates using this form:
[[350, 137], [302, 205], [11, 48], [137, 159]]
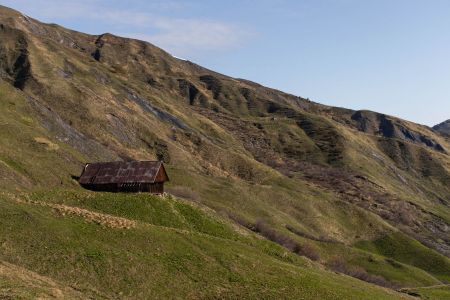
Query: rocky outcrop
[[14, 61], [192, 93], [443, 127], [389, 127]]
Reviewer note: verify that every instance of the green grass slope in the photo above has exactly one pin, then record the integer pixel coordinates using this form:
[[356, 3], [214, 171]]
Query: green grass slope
[[406, 250], [20, 283], [174, 250], [431, 293]]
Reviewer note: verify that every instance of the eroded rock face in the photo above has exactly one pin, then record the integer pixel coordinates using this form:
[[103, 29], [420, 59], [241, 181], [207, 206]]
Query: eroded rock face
[[383, 125], [64, 132], [190, 91], [14, 61]]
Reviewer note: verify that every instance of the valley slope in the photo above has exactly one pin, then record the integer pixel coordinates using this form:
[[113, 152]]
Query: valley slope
[[357, 192]]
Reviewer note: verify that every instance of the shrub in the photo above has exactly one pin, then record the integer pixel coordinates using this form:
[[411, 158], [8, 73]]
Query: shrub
[[240, 220], [393, 263], [184, 192], [306, 250], [405, 214], [309, 236], [265, 230], [337, 264]]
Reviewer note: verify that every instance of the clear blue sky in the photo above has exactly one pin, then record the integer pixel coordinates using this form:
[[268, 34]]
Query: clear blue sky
[[391, 56]]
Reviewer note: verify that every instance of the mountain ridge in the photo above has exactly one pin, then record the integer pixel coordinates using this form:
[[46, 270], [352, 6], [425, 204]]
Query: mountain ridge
[[323, 182], [443, 127]]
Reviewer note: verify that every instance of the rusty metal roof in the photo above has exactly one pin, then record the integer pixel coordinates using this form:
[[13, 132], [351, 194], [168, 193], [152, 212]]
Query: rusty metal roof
[[121, 172]]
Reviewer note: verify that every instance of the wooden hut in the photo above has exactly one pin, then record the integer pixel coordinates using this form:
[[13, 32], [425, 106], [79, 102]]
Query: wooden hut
[[129, 176]]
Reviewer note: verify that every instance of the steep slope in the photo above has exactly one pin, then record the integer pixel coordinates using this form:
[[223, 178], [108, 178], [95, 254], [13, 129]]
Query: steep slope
[[443, 127], [368, 188]]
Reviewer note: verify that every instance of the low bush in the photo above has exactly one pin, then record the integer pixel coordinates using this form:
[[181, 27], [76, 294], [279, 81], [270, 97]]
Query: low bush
[[185, 193], [339, 265], [306, 250], [240, 220], [309, 236]]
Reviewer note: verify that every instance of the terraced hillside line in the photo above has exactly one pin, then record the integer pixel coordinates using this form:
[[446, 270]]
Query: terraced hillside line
[[90, 216], [99, 218], [106, 220]]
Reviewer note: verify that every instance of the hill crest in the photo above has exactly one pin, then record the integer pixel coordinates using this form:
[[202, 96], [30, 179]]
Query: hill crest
[[443, 127]]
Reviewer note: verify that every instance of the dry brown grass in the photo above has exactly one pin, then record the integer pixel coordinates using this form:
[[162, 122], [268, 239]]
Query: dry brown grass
[[90, 216], [95, 217]]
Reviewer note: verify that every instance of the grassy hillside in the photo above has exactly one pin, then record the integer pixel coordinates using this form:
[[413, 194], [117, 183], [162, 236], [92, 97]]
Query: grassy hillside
[[431, 293], [282, 196]]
